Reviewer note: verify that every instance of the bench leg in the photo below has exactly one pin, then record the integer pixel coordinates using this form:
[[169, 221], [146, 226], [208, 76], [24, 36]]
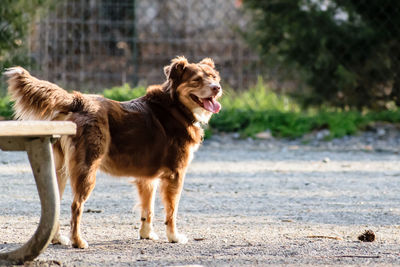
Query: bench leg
[[42, 163]]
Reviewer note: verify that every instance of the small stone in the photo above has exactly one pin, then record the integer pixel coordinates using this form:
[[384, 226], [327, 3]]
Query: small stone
[[368, 148], [236, 135], [322, 134], [93, 211], [264, 135], [326, 160], [380, 132]]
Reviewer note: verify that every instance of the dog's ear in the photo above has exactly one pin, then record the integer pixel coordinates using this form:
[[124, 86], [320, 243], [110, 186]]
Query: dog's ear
[[208, 61], [175, 71]]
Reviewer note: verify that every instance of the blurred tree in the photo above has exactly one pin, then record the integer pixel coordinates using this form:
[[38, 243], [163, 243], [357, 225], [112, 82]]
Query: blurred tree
[[16, 17], [347, 50]]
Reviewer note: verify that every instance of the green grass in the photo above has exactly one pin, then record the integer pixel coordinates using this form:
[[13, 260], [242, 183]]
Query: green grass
[[124, 93], [5, 107], [259, 109]]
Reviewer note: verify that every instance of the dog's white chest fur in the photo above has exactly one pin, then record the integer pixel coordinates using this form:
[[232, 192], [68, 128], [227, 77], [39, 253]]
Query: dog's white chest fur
[[193, 149], [202, 115]]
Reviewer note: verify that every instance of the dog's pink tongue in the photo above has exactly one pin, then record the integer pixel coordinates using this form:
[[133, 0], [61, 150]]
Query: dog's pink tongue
[[211, 105]]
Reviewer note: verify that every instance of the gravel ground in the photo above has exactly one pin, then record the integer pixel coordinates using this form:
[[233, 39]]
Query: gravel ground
[[245, 202]]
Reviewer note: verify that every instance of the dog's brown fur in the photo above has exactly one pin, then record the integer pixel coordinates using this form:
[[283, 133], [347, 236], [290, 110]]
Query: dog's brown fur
[[151, 137]]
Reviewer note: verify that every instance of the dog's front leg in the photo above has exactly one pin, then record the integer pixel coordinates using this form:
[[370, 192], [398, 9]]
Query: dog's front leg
[[171, 188], [146, 189]]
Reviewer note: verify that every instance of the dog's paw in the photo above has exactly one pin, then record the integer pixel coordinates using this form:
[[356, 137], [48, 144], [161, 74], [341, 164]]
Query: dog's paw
[[146, 232], [80, 243], [152, 236], [177, 238], [61, 240]]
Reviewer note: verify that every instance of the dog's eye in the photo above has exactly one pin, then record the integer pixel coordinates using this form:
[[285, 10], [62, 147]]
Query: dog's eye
[[198, 79]]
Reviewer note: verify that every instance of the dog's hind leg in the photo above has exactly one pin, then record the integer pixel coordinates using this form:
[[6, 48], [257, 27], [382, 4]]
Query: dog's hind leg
[[147, 189], [83, 180], [83, 156], [171, 188], [62, 178]]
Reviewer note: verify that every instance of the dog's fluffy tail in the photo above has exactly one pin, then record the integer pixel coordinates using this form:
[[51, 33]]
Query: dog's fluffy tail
[[39, 100]]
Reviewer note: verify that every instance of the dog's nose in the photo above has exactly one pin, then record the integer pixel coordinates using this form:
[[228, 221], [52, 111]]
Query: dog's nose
[[215, 88]]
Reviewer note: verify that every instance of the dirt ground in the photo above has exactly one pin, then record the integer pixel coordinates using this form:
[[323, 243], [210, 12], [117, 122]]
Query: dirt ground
[[243, 204]]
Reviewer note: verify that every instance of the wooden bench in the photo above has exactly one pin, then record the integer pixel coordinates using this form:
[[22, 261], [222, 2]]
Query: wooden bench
[[36, 137]]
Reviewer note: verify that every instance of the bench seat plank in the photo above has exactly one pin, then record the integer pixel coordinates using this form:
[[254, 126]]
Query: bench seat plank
[[36, 128]]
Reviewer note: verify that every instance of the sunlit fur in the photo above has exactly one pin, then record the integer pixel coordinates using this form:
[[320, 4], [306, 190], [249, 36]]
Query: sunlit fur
[[152, 137]]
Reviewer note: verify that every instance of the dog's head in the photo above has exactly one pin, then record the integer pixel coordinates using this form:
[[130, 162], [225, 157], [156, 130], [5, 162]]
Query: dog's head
[[196, 86]]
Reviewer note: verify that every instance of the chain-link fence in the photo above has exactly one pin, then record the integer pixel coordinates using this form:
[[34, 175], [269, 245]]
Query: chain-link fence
[[92, 45]]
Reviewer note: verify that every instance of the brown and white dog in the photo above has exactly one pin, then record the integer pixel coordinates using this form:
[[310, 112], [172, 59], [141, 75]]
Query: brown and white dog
[[148, 138]]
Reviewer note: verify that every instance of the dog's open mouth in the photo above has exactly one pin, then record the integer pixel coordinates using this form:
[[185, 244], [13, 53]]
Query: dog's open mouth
[[210, 103]]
